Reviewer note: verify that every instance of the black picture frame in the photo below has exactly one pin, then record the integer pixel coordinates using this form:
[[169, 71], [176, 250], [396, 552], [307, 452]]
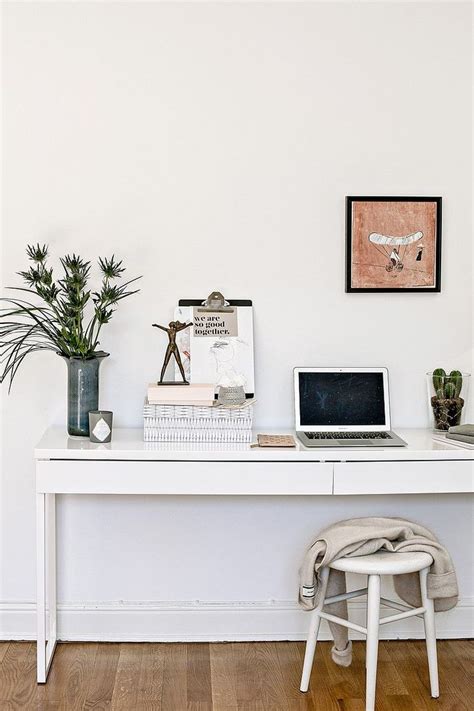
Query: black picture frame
[[350, 200]]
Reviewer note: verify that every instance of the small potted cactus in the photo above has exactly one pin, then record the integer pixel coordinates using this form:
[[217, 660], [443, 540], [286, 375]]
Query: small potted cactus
[[444, 392]]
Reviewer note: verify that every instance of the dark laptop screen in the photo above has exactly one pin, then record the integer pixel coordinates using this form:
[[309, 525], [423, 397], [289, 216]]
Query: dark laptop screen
[[333, 399]]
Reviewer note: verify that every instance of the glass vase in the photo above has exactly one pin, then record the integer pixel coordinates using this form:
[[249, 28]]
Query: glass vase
[[447, 399], [82, 391]]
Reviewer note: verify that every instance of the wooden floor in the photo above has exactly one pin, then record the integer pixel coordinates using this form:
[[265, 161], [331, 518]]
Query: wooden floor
[[230, 677]]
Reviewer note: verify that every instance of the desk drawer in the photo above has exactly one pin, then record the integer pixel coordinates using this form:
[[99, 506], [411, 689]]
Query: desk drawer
[[206, 478], [403, 477]]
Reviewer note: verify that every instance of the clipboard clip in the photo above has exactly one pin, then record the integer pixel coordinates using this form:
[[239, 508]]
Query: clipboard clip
[[215, 303]]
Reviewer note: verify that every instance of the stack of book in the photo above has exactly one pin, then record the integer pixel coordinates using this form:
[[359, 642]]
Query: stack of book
[[460, 435], [189, 413]]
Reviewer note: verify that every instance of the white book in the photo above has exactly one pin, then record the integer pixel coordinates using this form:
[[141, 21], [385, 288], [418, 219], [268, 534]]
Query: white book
[[199, 423], [453, 442], [154, 434], [194, 412], [197, 393], [189, 403]]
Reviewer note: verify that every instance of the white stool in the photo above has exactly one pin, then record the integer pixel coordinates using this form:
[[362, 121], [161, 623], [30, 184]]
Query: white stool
[[374, 566]]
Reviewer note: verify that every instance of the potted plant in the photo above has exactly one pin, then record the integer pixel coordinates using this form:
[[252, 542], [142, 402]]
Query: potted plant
[[64, 316], [445, 397]]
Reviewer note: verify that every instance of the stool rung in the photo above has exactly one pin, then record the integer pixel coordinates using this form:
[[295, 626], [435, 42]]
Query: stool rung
[[342, 622], [396, 605], [402, 615], [345, 596]]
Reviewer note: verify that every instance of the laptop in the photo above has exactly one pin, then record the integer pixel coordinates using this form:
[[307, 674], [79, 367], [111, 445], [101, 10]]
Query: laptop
[[343, 407]]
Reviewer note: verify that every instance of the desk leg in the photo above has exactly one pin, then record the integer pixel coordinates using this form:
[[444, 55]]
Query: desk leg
[[45, 581], [51, 568]]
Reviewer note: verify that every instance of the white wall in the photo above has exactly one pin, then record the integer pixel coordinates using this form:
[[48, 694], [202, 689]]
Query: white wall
[[211, 146]]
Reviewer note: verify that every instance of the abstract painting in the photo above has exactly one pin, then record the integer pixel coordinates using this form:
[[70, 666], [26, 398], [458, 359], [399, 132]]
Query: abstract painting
[[393, 244]]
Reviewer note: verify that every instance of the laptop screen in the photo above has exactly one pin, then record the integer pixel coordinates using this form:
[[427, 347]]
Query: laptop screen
[[341, 399]]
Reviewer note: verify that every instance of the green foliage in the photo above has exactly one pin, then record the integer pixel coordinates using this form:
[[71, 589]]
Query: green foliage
[[447, 386], [57, 321], [449, 389], [455, 377]]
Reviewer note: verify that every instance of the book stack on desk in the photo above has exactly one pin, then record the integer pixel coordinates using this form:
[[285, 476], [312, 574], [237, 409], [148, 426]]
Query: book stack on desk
[[460, 435], [190, 414]]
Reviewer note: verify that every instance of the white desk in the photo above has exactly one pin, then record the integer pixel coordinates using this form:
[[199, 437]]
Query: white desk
[[130, 466]]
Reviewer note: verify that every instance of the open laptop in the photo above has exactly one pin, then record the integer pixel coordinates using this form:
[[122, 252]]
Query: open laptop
[[343, 407]]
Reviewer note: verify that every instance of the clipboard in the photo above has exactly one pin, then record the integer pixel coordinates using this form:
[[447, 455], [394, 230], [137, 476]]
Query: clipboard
[[220, 343], [215, 303]]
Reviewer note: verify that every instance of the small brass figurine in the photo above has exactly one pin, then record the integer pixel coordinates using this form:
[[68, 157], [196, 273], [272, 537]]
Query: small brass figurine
[[173, 328]]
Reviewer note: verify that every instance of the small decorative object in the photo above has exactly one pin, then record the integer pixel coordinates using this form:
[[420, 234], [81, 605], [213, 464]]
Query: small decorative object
[[266, 440], [54, 320], [100, 425], [231, 391], [393, 244], [447, 396], [231, 396], [172, 349]]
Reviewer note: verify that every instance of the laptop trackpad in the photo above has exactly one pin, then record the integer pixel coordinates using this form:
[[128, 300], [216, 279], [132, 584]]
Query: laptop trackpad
[[356, 442]]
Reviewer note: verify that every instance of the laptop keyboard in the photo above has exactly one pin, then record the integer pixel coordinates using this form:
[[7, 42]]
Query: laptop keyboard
[[348, 435]]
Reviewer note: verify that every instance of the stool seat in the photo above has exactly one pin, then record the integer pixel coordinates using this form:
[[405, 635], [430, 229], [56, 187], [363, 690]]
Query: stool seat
[[384, 563]]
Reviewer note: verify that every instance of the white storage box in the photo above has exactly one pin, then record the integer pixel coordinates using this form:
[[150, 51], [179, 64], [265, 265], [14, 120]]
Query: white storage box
[[191, 423]]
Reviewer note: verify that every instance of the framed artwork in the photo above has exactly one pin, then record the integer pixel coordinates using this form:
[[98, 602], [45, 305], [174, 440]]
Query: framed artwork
[[393, 244]]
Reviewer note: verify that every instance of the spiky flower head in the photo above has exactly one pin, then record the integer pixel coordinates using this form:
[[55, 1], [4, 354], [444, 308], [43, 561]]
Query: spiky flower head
[[37, 253], [110, 268]]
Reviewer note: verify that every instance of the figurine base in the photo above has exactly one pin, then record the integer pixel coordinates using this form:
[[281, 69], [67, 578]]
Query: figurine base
[[173, 382]]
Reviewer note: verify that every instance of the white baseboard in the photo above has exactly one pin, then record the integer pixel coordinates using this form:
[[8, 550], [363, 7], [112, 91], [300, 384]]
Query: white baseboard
[[208, 621]]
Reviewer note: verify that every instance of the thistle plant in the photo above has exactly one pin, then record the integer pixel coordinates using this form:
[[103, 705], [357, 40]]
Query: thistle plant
[[62, 315]]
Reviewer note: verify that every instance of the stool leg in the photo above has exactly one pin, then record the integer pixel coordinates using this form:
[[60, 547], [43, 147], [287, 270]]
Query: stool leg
[[430, 634], [373, 618], [313, 633]]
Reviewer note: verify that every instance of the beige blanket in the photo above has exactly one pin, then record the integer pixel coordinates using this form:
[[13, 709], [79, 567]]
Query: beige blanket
[[362, 536]]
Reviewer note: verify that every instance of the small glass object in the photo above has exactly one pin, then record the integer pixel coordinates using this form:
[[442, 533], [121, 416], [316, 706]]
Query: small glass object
[[231, 396], [447, 398]]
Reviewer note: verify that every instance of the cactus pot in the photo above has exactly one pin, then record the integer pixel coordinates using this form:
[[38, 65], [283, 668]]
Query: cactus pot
[[447, 397], [82, 391], [446, 412]]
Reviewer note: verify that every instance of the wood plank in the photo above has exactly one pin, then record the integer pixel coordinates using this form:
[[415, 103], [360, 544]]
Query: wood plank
[[453, 679], [224, 693], [24, 691], [11, 669], [247, 679], [273, 687], [344, 683], [175, 678], [102, 682], [3, 650], [259, 681], [127, 677], [462, 652], [198, 669], [406, 666], [290, 657], [150, 683]]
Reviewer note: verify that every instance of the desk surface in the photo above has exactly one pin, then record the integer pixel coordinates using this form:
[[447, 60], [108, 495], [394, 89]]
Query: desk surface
[[128, 445]]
